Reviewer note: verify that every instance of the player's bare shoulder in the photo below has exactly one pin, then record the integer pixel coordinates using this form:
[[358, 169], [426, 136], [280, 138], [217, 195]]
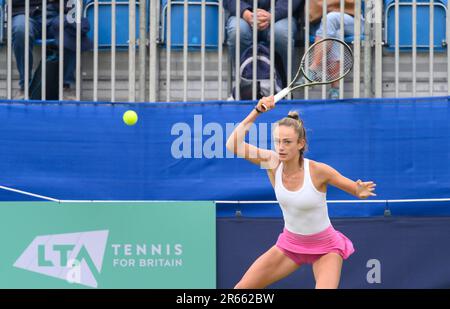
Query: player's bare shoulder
[[319, 170]]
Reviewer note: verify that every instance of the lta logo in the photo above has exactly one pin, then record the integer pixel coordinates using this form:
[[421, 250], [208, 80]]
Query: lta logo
[[74, 257]]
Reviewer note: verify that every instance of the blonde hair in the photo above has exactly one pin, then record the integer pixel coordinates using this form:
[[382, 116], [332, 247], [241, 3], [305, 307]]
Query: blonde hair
[[294, 121]]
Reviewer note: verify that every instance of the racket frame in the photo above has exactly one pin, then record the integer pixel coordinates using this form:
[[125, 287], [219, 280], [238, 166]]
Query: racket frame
[[280, 95]]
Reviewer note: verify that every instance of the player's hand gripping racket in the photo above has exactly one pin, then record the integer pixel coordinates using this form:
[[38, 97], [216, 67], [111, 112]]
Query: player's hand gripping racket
[[325, 62]]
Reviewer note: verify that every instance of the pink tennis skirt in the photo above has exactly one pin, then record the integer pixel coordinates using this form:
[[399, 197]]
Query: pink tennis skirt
[[309, 248]]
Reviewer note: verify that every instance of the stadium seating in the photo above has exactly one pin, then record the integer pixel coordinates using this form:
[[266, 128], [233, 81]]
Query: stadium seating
[[423, 24], [104, 24], [194, 24]]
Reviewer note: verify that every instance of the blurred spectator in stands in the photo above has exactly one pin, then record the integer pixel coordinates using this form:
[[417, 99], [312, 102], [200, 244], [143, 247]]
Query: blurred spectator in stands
[[263, 15], [35, 32], [333, 26]]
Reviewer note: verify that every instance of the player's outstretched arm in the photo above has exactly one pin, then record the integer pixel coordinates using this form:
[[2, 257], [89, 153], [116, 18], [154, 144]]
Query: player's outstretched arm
[[360, 189], [236, 142]]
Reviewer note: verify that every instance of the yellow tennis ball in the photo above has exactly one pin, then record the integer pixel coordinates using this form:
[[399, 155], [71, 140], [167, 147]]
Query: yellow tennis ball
[[130, 117]]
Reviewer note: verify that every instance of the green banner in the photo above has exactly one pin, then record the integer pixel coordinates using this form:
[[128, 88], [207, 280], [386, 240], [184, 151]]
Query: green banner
[[108, 245]]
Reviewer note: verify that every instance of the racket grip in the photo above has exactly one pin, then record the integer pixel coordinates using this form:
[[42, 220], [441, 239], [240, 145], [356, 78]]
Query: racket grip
[[281, 94]]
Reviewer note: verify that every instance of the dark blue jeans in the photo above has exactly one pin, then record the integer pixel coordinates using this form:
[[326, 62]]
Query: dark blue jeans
[[18, 43], [246, 37]]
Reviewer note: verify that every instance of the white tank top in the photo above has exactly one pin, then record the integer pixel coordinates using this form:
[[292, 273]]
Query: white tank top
[[305, 211]]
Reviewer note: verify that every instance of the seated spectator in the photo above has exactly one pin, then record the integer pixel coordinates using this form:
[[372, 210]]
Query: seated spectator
[[263, 16], [35, 32], [333, 27]]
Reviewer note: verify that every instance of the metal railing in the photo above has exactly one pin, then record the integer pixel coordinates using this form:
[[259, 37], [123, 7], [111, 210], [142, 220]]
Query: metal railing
[[194, 71]]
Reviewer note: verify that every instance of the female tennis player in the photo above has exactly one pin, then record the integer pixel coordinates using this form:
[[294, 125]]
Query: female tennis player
[[300, 186]]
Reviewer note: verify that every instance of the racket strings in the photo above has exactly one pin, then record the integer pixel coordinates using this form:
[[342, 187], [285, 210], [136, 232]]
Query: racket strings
[[327, 61]]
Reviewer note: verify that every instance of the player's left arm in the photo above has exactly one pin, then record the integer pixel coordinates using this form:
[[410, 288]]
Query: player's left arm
[[360, 189]]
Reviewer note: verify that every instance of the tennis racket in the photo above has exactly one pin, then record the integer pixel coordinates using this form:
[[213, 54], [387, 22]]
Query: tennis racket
[[326, 61]]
